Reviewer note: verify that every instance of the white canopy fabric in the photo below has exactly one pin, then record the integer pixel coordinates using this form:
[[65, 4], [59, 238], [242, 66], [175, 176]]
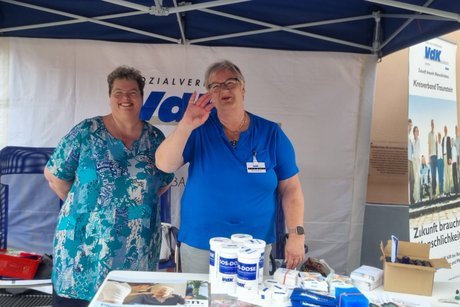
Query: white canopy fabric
[[323, 102]]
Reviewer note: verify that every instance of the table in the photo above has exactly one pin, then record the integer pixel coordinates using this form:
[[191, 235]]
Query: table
[[43, 285], [217, 298], [441, 290]]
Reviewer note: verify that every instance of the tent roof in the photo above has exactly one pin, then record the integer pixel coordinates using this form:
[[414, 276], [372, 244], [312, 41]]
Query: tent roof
[[358, 26]]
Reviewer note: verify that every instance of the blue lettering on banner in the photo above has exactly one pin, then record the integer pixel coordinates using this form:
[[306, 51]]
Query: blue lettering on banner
[[228, 265], [169, 109], [247, 271], [432, 54], [212, 257]]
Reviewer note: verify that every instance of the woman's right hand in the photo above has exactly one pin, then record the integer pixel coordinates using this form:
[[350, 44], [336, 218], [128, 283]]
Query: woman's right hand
[[168, 156], [197, 111]]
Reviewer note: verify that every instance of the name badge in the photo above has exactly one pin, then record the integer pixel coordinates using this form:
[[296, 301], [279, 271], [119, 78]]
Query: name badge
[[255, 167]]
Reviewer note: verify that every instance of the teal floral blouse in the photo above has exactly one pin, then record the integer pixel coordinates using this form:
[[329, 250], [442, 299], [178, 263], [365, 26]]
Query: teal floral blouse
[[110, 218]]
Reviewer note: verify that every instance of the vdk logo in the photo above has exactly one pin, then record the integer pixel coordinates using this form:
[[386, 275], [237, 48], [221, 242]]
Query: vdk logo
[[432, 54], [170, 109]]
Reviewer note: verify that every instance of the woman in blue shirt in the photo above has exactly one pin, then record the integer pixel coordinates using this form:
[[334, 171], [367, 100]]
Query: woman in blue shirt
[[104, 171], [238, 163]]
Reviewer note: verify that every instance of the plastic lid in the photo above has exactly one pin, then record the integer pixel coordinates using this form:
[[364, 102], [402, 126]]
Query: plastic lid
[[229, 249], [249, 253], [216, 241], [255, 243], [240, 237]]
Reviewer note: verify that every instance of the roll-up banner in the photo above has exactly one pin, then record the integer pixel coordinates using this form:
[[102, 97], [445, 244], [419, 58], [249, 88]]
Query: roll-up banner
[[433, 152]]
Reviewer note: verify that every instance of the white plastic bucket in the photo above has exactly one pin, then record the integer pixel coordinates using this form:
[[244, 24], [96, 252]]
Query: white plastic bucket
[[247, 282], [228, 266], [260, 246], [214, 245]]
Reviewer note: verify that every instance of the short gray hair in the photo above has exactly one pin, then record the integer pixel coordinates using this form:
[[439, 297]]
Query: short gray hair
[[222, 65]]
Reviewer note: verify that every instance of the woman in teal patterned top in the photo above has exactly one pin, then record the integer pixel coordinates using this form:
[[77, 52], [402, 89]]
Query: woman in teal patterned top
[[104, 171]]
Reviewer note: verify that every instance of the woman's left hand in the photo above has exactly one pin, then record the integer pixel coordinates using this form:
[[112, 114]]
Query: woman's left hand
[[294, 250]]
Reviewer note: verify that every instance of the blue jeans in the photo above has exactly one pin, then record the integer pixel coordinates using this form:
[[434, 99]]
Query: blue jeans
[[441, 175], [434, 166]]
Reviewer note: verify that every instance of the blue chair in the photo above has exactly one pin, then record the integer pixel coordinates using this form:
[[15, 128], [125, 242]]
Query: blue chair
[[28, 207]]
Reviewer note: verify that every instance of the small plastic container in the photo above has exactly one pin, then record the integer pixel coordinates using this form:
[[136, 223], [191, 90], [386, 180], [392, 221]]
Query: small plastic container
[[22, 266]]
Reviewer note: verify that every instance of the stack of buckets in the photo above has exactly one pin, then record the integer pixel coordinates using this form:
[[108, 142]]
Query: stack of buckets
[[236, 264]]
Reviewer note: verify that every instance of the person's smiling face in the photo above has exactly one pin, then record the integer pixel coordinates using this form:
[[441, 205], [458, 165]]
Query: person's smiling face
[[125, 98], [226, 89]]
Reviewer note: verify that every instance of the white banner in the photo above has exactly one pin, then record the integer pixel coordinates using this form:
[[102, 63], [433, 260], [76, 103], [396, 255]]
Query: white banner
[[322, 100], [432, 70], [436, 150]]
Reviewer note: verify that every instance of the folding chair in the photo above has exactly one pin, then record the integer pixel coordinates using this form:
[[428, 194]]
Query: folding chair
[[169, 242]]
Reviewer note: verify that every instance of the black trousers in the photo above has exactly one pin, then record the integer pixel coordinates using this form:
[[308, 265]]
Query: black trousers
[[59, 301]]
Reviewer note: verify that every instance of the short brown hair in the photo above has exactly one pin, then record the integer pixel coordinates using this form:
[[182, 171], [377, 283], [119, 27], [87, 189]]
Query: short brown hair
[[128, 73]]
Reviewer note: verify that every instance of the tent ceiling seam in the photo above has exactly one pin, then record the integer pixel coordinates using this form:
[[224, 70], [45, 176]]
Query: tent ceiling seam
[[419, 9], [67, 22], [159, 10], [379, 41], [290, 28], [404, 25], [92, 20]]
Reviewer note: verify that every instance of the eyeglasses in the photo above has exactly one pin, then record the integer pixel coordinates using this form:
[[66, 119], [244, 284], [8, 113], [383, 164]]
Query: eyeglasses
[[121, 94], [229, 84]]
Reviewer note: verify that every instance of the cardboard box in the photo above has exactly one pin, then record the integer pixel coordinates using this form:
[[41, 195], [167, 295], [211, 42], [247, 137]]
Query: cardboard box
[[410, 278]]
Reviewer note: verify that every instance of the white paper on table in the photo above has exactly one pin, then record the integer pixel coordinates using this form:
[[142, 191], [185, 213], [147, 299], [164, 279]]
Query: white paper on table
[[399, 300]]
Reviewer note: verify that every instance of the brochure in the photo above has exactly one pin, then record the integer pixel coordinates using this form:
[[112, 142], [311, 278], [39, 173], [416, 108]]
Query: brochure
[[158, 289]]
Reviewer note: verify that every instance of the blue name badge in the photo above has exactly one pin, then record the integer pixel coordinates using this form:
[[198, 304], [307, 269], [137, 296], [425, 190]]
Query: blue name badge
[[255, 167]]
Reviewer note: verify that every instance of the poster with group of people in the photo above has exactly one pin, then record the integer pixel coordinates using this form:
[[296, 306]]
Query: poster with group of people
[[434, 152]]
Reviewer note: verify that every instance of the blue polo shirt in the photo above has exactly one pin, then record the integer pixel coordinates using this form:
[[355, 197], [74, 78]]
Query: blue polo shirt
[[221, 197]]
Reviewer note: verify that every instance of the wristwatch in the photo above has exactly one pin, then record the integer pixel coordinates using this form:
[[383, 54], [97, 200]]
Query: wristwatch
[[297, 230]]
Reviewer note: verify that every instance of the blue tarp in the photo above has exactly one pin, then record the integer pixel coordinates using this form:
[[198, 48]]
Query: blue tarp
[[357, 26]]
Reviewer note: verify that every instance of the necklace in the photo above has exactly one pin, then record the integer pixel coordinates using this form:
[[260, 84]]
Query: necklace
[[235, 133], [233, 143]]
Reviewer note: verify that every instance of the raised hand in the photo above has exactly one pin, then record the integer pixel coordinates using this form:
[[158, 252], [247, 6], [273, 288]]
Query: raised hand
[[197, 111]]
